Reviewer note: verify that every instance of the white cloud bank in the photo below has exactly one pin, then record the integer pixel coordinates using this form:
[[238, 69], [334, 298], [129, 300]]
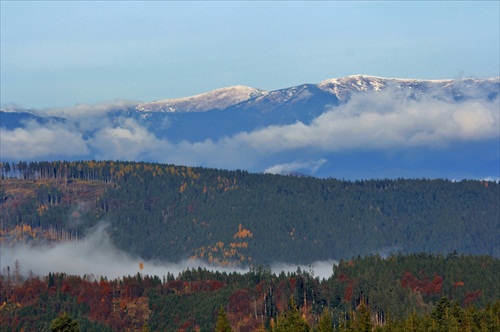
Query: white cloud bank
[[35, 141], [96, 255], [296, 166], [385, 121]]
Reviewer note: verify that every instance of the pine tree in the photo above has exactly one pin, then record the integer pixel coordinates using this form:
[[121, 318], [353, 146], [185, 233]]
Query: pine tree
[[222, 324], [362, 318], [145, 327], [64, 323], [291, 320], [325, 323]]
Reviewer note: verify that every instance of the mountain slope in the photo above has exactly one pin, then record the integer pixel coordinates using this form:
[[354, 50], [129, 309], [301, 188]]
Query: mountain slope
[[11, 119], [337, 89], [171, 213], [217, 99], [242, 109]]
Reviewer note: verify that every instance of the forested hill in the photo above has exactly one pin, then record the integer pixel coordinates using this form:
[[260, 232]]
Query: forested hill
[[237, 218], [416, 292]]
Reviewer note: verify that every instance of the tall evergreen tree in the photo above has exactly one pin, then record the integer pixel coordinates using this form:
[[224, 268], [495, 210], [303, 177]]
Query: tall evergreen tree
[[64, 323], [325, 323], [222, 324], [291, 320]]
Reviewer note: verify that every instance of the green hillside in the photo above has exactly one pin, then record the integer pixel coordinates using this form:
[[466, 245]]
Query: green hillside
[[169, 212]]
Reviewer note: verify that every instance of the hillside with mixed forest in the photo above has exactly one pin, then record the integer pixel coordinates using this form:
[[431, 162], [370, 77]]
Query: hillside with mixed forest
[[236, 218], [417, 292]]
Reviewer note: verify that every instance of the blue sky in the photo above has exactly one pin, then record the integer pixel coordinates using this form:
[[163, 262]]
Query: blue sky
[[56, 54]]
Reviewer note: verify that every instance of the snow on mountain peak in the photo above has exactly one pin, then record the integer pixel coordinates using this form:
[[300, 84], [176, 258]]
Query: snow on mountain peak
[[343, 87], [18, 110], [216, 99]]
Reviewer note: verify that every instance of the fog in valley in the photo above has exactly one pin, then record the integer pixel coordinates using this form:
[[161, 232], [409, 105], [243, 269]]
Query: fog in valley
[[96, 255]]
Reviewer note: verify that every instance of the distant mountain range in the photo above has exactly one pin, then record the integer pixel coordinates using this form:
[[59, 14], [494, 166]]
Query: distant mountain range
[[244, 113], [328, 92]]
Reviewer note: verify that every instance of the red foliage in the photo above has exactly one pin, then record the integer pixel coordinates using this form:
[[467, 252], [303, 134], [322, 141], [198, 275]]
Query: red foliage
[[80, 298], [189, 325], [425, 286], [472, 296], [205, 286], [179, 286], [437, 284], [240, 302], [65, 288], [343, 277], [242, 310], [293, 284], [133, 290], [15, 322], [348, 291], [282, 294], [19, 295], [260, 287], [98, 296], [175, 285], [52, 290]]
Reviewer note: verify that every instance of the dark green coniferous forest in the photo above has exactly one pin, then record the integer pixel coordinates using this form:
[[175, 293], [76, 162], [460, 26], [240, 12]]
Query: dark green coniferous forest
[[169, 212]]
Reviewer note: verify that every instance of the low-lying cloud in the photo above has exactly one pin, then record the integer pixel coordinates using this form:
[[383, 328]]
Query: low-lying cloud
[[96, 254], [308, 167], [35, 141], [385, 121], [83, 111]]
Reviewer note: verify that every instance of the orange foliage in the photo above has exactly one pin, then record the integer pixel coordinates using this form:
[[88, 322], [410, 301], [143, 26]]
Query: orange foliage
[[219, 254], [41, 209], [242, 233], [238, 245]]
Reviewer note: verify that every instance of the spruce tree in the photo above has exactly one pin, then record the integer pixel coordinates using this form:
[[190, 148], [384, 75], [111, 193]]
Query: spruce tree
[[64, 323], [222, 324], [325, 323], [291, 320]]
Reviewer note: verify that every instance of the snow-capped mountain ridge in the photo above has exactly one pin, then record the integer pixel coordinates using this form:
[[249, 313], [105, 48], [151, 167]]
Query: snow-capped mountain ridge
[[18, 110], [344, 87], [216, 99], [340, 89]]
